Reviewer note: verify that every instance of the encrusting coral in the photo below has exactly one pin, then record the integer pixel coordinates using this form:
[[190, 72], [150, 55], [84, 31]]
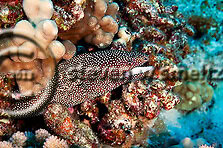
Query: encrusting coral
[[59, 119], [98, 26], [67, 13], [10, 13], [162, 28], [7, 85], [194, 94]]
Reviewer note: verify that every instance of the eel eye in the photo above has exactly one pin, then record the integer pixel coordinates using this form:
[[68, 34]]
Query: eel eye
[[146, 58], [129, 62]]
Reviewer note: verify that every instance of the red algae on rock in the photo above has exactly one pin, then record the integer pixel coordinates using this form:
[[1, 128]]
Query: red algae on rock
[[59, 119]]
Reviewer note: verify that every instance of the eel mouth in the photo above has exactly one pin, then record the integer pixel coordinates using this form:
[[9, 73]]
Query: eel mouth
[[138, 70]]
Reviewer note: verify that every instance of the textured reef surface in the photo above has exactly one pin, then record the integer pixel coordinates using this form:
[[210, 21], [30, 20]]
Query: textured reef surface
[[111, 73]]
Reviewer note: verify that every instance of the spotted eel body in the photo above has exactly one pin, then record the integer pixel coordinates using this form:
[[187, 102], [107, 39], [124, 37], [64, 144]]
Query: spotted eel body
[[81, 78]]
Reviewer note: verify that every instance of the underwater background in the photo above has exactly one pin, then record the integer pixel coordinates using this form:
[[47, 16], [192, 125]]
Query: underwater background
[[205, 122], [177, 104]]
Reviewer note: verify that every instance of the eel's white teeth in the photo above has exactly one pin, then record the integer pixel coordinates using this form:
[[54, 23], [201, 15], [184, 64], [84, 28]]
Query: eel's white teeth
[[138, 70]]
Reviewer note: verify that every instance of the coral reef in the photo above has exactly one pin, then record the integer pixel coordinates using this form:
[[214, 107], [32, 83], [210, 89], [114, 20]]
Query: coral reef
[[206, 24], [7, 85], [98, 26], [42, 138], [205, 146], [61, 122], [126, 120], [161, 27], [189, 143], [54, 141], [5, 144], [10, 13], [18, 139], [194, 94], [67, 13], [115, 126], [41, 135], [115, 91], [44, 32]]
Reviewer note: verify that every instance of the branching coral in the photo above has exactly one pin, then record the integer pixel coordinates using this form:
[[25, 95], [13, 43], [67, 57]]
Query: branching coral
[[42, 138], [55, 142], [18, 139], [5, 144], [41, 135], [98, 26]]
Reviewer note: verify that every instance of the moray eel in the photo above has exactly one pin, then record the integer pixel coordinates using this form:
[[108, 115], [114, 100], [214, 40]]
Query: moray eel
[[81, 78]]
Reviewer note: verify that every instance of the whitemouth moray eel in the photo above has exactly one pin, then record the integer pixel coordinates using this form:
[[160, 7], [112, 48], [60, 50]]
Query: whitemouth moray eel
[[81, 78]]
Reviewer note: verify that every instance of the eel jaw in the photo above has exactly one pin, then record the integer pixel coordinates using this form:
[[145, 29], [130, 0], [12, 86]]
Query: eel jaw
[[138, 70]]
